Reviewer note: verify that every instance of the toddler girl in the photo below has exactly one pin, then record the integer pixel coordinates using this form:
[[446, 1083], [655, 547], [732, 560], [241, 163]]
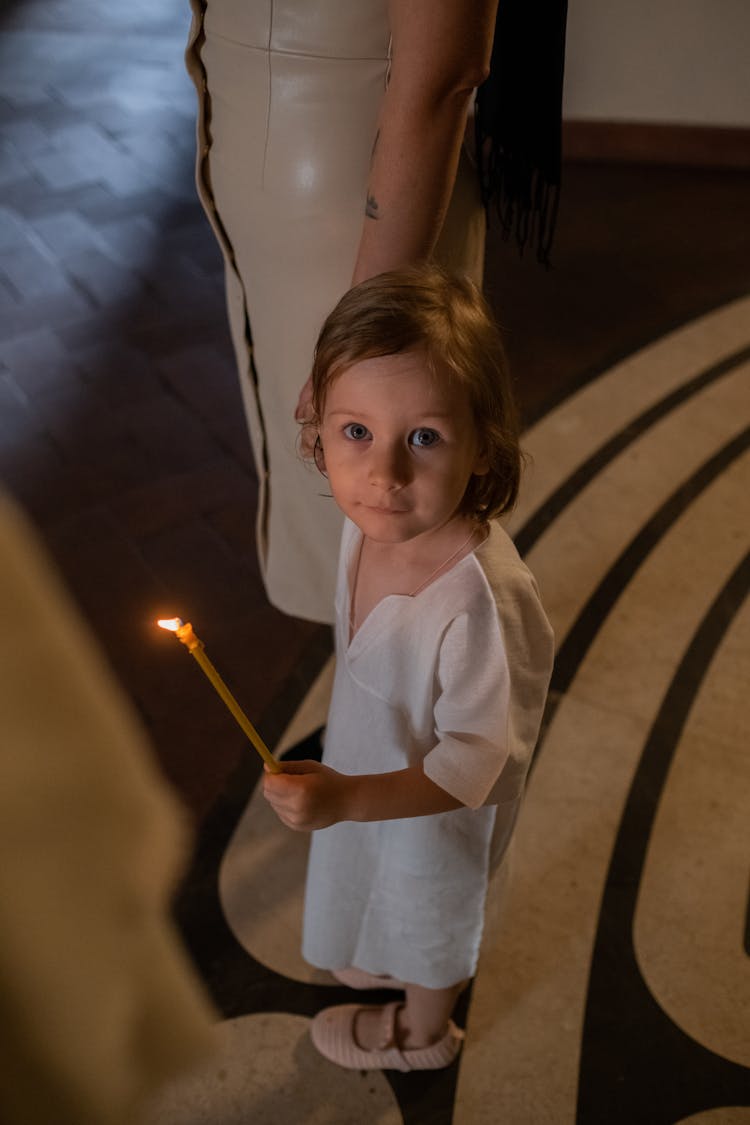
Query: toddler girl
[[443, 660]]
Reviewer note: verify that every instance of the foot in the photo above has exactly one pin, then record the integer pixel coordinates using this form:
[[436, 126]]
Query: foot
[[342, 1033], [368, 1030]]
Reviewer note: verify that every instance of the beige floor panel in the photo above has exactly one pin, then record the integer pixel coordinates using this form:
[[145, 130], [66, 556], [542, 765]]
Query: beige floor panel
[[671, 592], [261, 887], [520, 1061], [312, 712], [727, 1115], [267, 1072], [567, 436], [693, 894], [573, 555], [262, 873]]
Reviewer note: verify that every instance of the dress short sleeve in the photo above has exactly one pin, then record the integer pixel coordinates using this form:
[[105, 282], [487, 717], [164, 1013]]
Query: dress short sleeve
[[471, 710], [494, 668]]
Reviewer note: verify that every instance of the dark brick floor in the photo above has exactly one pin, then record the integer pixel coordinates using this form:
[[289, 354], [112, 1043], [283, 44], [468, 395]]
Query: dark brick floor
[[121, 430]]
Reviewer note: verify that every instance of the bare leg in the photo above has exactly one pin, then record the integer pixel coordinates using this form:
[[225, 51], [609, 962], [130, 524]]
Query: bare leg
[[423, 1019]]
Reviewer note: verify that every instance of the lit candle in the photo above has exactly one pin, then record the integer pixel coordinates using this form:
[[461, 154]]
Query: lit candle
[[195, 647]]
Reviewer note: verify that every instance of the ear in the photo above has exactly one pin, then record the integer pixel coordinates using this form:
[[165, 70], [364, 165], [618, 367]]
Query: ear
[[319, 456], [481, 465]]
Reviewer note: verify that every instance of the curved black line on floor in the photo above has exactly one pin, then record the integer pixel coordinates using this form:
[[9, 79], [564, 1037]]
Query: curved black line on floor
[[565, 493], [636, 1064], [634, 346], [581, 635], [584, 629]]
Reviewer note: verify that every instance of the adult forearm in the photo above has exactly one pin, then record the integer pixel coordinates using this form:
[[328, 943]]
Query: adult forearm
[[412, 176]]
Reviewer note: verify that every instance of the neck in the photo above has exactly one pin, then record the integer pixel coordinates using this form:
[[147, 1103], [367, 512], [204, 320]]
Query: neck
[[426, 549], [381, 569]]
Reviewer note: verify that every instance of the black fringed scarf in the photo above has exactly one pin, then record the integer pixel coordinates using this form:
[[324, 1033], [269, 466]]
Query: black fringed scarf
[[519, 121]]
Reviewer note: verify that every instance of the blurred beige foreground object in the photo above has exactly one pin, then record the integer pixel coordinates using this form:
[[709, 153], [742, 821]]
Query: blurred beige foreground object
[[98, 1002]]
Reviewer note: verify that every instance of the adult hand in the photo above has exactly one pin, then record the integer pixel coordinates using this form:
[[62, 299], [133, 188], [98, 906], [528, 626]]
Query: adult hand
[[307, 795]]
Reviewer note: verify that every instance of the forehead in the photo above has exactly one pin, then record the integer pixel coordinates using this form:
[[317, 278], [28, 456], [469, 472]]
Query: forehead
[[404, 380]]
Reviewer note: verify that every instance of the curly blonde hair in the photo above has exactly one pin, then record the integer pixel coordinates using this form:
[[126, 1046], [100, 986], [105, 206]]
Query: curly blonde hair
[[425, 308]]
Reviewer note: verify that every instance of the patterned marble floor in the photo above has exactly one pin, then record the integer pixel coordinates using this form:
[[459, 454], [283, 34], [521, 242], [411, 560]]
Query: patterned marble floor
[[616, 986]]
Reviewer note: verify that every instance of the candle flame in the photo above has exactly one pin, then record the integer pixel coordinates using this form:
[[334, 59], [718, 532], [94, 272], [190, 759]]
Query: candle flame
[[171, 623]]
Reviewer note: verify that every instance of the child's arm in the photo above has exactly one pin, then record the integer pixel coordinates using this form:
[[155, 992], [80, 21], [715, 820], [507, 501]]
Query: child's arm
[[309, 795]]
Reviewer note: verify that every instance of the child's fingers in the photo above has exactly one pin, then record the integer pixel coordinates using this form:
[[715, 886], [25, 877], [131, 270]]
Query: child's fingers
[[286, 800], [298, 795], [283, 790], [307, 766], [278, 795]]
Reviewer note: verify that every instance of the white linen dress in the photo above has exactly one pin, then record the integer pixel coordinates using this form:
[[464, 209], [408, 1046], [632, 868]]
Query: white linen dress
[[289, 94], [455, 677]]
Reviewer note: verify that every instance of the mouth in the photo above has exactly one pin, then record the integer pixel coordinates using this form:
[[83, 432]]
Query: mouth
[[382, 510]]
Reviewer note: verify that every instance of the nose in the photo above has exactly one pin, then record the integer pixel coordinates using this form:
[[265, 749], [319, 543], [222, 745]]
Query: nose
[[389, 466]]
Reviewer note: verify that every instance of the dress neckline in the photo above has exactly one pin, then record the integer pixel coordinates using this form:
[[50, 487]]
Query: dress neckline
[[432, 579]]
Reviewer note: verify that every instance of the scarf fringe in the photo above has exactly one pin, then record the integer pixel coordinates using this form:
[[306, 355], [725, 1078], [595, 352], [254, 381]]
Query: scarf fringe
[[524, 199], [518, 119]]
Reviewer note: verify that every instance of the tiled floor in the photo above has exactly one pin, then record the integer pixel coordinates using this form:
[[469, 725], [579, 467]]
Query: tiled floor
[[122, 434]]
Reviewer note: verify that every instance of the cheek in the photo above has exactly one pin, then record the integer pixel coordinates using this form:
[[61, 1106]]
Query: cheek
[[339, 466], [444, 487], [457, 469]]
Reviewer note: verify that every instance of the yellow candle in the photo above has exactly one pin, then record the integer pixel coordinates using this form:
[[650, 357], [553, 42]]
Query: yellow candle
[[195, 647]]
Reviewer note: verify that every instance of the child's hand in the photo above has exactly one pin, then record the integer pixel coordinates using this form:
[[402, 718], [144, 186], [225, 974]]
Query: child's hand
[[307, 795]]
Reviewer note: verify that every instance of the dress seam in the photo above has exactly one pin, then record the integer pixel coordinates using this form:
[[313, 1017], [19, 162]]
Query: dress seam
[[269, 49], [268, 102]]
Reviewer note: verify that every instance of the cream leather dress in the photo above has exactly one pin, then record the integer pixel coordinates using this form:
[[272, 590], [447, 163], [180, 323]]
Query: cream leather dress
[[289, 94]]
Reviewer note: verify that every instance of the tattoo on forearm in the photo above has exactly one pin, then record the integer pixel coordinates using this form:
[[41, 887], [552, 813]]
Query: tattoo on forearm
[[371, 210]]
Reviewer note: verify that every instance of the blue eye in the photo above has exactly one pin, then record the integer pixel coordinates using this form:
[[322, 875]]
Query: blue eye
[[423, 439], [355, 431]]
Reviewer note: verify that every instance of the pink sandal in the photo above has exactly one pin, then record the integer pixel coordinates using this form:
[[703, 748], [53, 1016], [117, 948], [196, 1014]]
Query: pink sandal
[[332, 1032], [358, 978]]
